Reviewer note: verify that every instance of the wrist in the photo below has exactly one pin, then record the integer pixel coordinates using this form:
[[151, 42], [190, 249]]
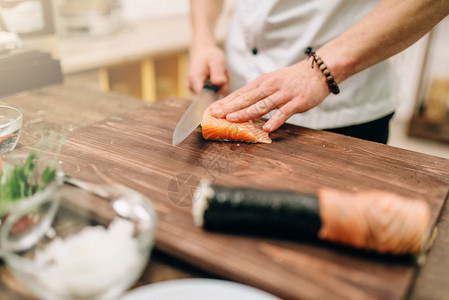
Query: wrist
[[203, 35], [203, 41], [323, 68], [338, 61]]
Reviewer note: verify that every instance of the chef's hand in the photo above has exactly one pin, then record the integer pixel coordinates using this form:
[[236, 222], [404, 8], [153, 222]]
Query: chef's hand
[[208, 62], [290, 90]]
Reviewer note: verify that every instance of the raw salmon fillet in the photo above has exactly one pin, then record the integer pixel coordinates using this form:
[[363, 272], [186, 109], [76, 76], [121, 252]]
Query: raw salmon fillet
[[223, 130]]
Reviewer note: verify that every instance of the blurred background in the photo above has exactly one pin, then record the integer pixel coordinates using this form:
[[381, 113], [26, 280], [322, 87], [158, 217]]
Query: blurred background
[[139, 48]]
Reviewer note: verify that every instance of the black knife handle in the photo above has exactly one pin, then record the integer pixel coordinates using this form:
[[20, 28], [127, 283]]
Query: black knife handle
[[211, 87]]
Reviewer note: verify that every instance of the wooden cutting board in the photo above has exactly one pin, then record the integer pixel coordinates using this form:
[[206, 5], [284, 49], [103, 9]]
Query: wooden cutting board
[[135, 150]]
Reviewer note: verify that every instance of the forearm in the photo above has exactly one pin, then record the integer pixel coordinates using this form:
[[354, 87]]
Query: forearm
[[390, 28], [207, 60], [203, 14]]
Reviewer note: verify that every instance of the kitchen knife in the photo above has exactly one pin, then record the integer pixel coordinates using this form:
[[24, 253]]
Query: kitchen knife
[[194, 114]]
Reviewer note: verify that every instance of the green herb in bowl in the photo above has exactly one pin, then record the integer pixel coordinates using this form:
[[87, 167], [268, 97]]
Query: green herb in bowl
[[22, 176]]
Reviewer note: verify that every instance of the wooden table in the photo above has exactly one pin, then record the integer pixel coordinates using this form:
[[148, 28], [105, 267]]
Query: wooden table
[[67, 107]]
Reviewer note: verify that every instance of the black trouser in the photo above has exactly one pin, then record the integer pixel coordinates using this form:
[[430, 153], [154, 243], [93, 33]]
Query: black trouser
[[375, 131]]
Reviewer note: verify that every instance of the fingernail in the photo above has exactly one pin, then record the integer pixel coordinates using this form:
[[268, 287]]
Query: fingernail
[[217, 112], [267, 127]]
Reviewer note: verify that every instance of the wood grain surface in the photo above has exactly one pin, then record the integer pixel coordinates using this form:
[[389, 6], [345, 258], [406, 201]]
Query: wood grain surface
[[134, 149], [67, 107]]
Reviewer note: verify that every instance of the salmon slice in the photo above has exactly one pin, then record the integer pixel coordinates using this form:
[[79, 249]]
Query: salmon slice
[[374, 220], [223, 130]]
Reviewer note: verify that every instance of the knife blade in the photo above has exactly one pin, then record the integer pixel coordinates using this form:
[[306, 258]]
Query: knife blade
[[194, 114]]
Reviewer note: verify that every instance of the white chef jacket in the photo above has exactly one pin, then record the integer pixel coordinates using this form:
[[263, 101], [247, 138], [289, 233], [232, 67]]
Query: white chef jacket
[[280, 31]]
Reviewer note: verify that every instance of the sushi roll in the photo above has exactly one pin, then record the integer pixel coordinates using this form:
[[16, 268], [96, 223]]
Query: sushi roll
[[371, 220]]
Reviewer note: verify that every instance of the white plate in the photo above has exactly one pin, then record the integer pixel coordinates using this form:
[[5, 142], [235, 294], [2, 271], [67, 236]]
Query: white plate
[[197, 289]]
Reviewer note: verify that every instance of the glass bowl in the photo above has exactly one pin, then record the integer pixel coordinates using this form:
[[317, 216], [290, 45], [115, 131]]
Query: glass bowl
[[10, 125], [82, 246], [26, 177]]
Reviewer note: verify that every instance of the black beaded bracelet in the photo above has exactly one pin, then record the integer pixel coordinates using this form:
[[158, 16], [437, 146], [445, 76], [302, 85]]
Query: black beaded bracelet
[[330, 79]]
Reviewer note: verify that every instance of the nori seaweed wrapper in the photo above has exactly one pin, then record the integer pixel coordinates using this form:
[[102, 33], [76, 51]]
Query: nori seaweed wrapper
[[262, 212]]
